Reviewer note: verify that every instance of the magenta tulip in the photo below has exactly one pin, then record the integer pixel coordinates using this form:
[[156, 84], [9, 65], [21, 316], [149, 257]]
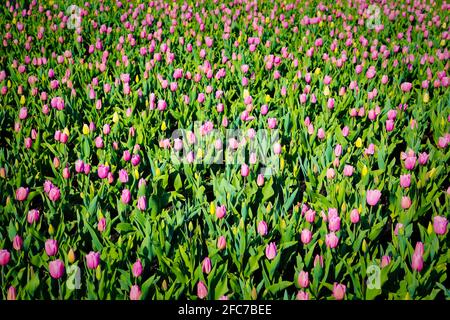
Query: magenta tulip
[[206, 265], [56, 269], [92, 260], [440, 225], [137, 268], [262, 228], [271, 251], [4, 257], [51, 247]]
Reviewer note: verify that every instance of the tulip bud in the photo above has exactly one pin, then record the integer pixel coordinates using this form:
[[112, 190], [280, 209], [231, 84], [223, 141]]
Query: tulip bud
[[71, 256], [98, 272]]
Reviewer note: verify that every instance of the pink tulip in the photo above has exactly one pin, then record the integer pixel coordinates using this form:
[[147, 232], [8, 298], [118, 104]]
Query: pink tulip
[[17, 243], [330, 173], [318, 259], [102, 171], [272, 123], [221, 211], [260, 180], [348, 170], [126, 156], [221, 243], [33, 216], [142, 203], [51, 247], [126, 196], [321, 133], [135, 292], [385, 261], [22, 194], [302, 295], [262, 228], [410, 159], [419, 248], [202, 291], [137, 268], [331, 240], [423, 158], [135, 159], [334, 224], [354, 216], [12, 294], [56, 269], [372, 197], [406, 202], [54, 194], [310, 215], [306, 236], [417, 262], [406, 86], [123, 176], [389, 125], [339, 291], [244, 170], [79, 166], [92, 260], [405, 180], [101, 226], [206, 265], [303, 279], [4, 257], [271, 251], [440, 225]]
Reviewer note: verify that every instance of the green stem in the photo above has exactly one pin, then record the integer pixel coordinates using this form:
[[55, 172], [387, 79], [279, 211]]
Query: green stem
[[3, 284], [59, 287]]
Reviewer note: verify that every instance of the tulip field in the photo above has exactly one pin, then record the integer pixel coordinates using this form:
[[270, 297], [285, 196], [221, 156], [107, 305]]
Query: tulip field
[[241, 150]]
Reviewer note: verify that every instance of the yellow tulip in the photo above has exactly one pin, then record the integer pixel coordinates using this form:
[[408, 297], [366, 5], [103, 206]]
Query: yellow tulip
[[137, 78], [66, 131], [430, 228], [364, 171], [212, 208], [115, 118], [85, 129], [268, 98], [163, 126], [246, 93], [71, 256], [326, 91], [358, 143], [22, 100], [136, 173], [426, 97], [98, 272]]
